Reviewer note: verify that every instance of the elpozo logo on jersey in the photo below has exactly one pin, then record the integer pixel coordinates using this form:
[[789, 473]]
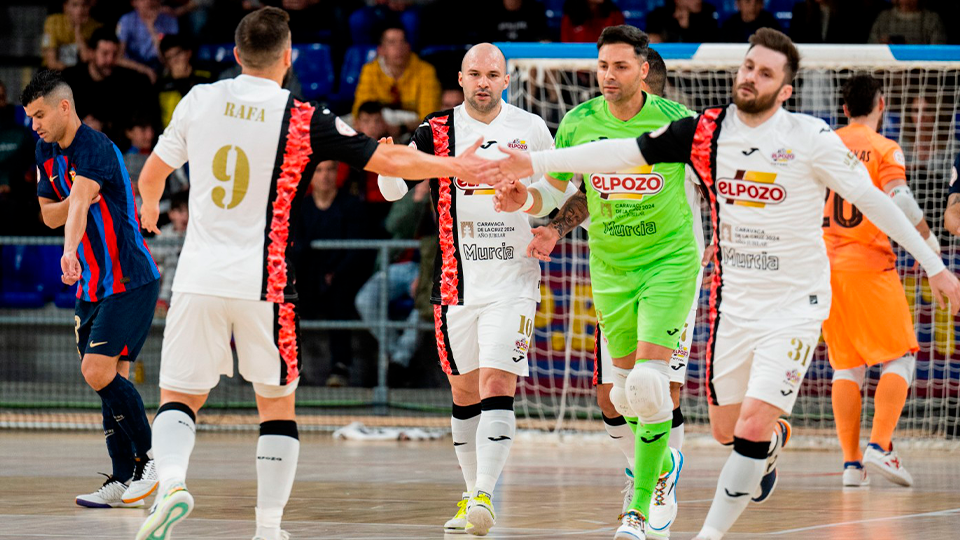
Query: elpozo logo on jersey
[[752, 188], [627, 186], [517, 144], [473, 189]]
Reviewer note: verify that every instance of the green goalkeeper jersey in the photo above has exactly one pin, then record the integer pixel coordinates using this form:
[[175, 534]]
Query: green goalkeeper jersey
[[638, 216]]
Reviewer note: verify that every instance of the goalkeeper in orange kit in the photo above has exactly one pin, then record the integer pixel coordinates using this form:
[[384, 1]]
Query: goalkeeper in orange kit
[[869, 320]]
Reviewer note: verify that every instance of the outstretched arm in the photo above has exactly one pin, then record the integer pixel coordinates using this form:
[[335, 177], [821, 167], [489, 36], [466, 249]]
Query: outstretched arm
[[605, 156], [412, 164]]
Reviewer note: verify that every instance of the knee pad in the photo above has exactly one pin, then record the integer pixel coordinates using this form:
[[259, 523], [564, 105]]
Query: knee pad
[[272, 391], [903, 366], [618, 398], [648, 393], [853, 374]]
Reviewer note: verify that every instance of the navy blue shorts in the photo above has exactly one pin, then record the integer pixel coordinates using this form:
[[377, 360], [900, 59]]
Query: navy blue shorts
[[117, 325]]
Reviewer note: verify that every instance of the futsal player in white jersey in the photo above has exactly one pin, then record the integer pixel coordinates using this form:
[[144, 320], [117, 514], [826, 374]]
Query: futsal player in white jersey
[[766, 172], [485, 291], [252, 149]]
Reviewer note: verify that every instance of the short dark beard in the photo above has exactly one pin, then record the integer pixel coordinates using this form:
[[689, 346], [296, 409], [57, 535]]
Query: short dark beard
[[757, 105], [476, 106]]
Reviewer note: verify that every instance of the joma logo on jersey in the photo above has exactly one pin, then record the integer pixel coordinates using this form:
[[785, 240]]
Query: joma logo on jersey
[[751, 188], [627, 186], [473, 189], [517, 144]]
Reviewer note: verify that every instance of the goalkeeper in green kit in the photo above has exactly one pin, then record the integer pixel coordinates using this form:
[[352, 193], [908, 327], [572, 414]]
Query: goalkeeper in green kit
[[644, 262]]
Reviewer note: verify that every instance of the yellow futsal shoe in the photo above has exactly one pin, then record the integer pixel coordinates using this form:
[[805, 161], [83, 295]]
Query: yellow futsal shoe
[[480, 516], [172, 507], [458, 523]]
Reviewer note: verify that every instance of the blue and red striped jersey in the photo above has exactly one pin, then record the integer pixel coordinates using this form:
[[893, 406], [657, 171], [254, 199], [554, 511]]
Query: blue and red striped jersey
[[113, 253]]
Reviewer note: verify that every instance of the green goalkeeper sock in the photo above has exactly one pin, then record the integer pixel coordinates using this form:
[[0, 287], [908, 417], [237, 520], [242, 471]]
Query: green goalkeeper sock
[[652, 453]]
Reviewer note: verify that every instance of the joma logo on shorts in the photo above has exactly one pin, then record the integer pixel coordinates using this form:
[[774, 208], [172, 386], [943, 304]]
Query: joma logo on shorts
[[751, 188]]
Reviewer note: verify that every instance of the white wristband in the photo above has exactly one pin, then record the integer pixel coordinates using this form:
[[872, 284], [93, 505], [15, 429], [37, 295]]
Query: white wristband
[[933, 242], [528, 204]]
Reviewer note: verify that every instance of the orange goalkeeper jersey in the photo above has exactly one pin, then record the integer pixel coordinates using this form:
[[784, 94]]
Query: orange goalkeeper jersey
[[854, 244]]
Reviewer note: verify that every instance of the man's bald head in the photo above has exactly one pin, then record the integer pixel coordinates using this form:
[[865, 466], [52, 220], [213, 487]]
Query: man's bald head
[[483, 76], [484, 54]]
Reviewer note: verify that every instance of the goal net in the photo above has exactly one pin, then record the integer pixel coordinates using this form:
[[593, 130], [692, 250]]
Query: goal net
[[922, 91]]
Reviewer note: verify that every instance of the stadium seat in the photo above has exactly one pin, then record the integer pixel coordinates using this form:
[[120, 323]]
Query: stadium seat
[[353, 61], [782, 10], [314, 68], [67, 298], [22, 285], [217, 54]]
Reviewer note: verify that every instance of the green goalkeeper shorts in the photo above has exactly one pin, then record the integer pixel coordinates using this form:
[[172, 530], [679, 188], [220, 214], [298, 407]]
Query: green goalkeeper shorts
[[648, 303]]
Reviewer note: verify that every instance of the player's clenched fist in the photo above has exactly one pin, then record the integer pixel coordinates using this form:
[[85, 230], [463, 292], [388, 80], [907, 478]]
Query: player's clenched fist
[[946, 289]]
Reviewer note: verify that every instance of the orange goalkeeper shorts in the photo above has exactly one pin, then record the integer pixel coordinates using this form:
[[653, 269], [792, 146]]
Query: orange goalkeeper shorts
[[869, 320]]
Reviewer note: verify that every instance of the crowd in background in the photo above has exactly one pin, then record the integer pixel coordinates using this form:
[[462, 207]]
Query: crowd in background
[[130, 62]]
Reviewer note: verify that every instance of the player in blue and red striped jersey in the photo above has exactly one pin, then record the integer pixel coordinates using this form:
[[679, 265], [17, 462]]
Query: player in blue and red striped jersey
[[84, 186]]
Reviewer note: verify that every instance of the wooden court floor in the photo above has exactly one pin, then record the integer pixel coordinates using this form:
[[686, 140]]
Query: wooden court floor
[[349, 490]]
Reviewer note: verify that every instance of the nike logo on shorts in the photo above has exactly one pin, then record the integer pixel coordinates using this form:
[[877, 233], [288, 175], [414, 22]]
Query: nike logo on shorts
[[92, 344]]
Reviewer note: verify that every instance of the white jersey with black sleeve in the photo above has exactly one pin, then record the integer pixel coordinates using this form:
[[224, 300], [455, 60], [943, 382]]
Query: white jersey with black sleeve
[[481, 256], [252, 150], [766, 186]]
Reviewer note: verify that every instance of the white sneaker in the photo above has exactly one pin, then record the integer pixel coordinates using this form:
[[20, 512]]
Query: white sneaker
[[284, 535], [854, 475], [480, 516], [631, 527], [171, 507], [144, 483], [886, 464], [628, 488], [663, 508], [110, 495], [458, 523]]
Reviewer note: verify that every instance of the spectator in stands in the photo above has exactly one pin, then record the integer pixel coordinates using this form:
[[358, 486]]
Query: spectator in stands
[[363, 184], [191, 15], [401, 278], [180, 75], [167, 253], [687, 21], [749, 18], [65, 35], [141, 136], [583, 20], [399, 79], [108, 92], [19, 210], [328, 280], [140, 32], [907, 23], [451, 97], [831, 21], [518, 20]]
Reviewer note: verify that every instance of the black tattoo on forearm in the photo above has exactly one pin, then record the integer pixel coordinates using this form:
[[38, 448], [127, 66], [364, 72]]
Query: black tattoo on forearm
[[572, 213]]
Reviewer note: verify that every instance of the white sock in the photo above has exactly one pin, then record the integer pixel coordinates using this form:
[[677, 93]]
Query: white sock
[[278, 450], [495, 433], [621, 435], [174, 433], [738, 483], [464, 424], [676, 432]]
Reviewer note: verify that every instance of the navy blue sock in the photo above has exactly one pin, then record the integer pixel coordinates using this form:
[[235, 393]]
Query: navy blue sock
[[119, 446], [123, 400]]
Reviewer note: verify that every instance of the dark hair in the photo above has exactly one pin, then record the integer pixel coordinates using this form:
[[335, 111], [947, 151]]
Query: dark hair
[[579, 10], [138, 120], [370, 107], [778, 41], [625, 33], [180, 200], [103, 34], [171, 41], [262, 36], [860, 94], [657, 76], [44, 83], [390, 24]]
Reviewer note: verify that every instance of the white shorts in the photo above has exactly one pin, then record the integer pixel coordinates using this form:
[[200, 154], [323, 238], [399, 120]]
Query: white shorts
[[760, 359], [603, 362], [196, 344], [496, 335]]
